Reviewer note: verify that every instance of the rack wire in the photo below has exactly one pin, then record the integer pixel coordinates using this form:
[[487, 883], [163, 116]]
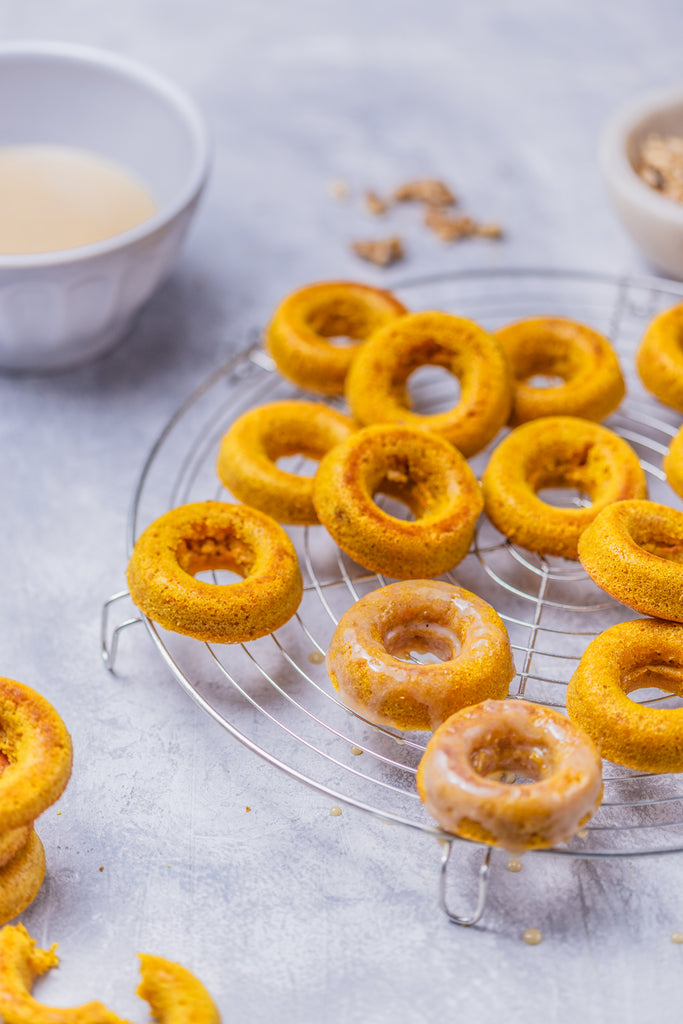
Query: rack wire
[[273, 694]]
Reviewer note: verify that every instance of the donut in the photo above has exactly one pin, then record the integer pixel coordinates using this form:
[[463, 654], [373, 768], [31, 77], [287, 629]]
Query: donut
[[376, 387], [417, 468], [673, 463], [626, 657], [20, 880], [366, 659], [298, 335], [457, 782], [174, 995], [35, 758], [249, 451], [659, 359], [557, 451], [592, 384], [634, 551], [215, 535]]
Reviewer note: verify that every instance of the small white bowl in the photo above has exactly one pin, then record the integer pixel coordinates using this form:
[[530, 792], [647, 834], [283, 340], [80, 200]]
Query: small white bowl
[[62, 308], [654, 221]]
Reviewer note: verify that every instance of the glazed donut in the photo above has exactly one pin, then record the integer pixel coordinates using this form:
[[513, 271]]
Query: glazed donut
[[592, 384], [455, 778], [634, 551], [365, 660], [298, 335], [673, 463], [376, 385], [174, 995], [20, 880], [215, 535], [418, 468], [249, 451], [36, 754], [627, 657], [659, 359], [557, 451]]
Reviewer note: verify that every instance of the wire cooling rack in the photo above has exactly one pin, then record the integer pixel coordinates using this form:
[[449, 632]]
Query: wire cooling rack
[[273, 694]]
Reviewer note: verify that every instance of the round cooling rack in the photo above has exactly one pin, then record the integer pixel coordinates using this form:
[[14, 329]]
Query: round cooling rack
[[273, 694]]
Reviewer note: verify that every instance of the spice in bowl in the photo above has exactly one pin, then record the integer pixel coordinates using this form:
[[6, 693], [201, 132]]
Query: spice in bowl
[[661, 164]]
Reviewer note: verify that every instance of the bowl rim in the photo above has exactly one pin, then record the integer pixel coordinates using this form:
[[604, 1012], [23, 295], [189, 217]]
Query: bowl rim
[[616, 167], [175, 97]]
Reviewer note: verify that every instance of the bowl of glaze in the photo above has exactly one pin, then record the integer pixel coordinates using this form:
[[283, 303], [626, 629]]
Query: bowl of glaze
[[653, 220], [65, 306]]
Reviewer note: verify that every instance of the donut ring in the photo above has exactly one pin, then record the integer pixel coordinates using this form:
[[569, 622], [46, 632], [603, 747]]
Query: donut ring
[[376, 385], [673, 463], [557, 451], [36, 752], [174, 995], [659, 359], [626, 657], [250, 449], [593, 385], [454, 778], [365, 659], [634, 551], [297, 336], [20, 880], [215, 535], [421, 470]]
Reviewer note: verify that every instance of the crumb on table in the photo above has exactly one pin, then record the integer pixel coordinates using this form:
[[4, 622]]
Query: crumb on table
[[380, 251]]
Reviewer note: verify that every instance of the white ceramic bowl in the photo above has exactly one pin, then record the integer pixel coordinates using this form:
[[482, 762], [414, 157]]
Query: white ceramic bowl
[[62, 308], [654, 222]]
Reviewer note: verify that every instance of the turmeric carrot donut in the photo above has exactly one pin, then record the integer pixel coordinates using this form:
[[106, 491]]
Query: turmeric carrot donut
[[673, 463], [659, 359], [557, 451], [634, 551], [366, 659], [592, 383], [215, 535], [417, 468], [174, 994], [376, 387], [21, 878], [627, 657], [249, 451], [298, 336], [456, 776]]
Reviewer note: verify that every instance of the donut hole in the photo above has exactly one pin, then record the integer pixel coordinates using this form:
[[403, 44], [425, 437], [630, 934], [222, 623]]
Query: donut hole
[[512, 759], [564, 497], [299, 464], [544, 380], [657, 682], [425, 642], [210, 557], [341, 322], [433, 389], [657, 539]]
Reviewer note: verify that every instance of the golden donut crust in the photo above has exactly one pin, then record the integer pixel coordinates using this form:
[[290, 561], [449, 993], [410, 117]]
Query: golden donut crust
[[673, 463], [216, 535], [557, 451], [659, 359], [418, 468], [376, 385], [593, 385], [634, 551], [249, 451], [298, 335], [174, 994], [455, 778], [21, 878], [626, 657], [36, 755], [365, 659]]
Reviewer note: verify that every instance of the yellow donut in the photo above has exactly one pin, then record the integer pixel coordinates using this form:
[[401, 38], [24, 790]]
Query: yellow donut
[[298, 335], [592, 384], [20, 879], [673, 463], [215, 535], [557, 451], [457, 782], [366, 657], [418, 468], [659, 359], [627, 657], [634, 551], [376, 387], [249, 451], [174, 995]]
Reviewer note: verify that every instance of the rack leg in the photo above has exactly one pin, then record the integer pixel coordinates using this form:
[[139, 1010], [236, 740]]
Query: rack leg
[[109, 644], [483, 886]]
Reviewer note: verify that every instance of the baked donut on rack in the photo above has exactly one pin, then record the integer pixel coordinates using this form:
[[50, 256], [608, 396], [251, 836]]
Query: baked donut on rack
[[634, 551], [215, 535], [557, 452], [248, 454], [459, 782], [300, 332], [376, 387], [417, 468], [592, 385], [367, 656], [659, 359]]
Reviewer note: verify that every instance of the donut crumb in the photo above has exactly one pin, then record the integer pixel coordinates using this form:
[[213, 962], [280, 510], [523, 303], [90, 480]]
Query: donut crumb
[[425, 190], [380, 251], [532, 936]]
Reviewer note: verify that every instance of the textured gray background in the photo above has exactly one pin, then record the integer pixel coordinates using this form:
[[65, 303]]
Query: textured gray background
[[287, 913]]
